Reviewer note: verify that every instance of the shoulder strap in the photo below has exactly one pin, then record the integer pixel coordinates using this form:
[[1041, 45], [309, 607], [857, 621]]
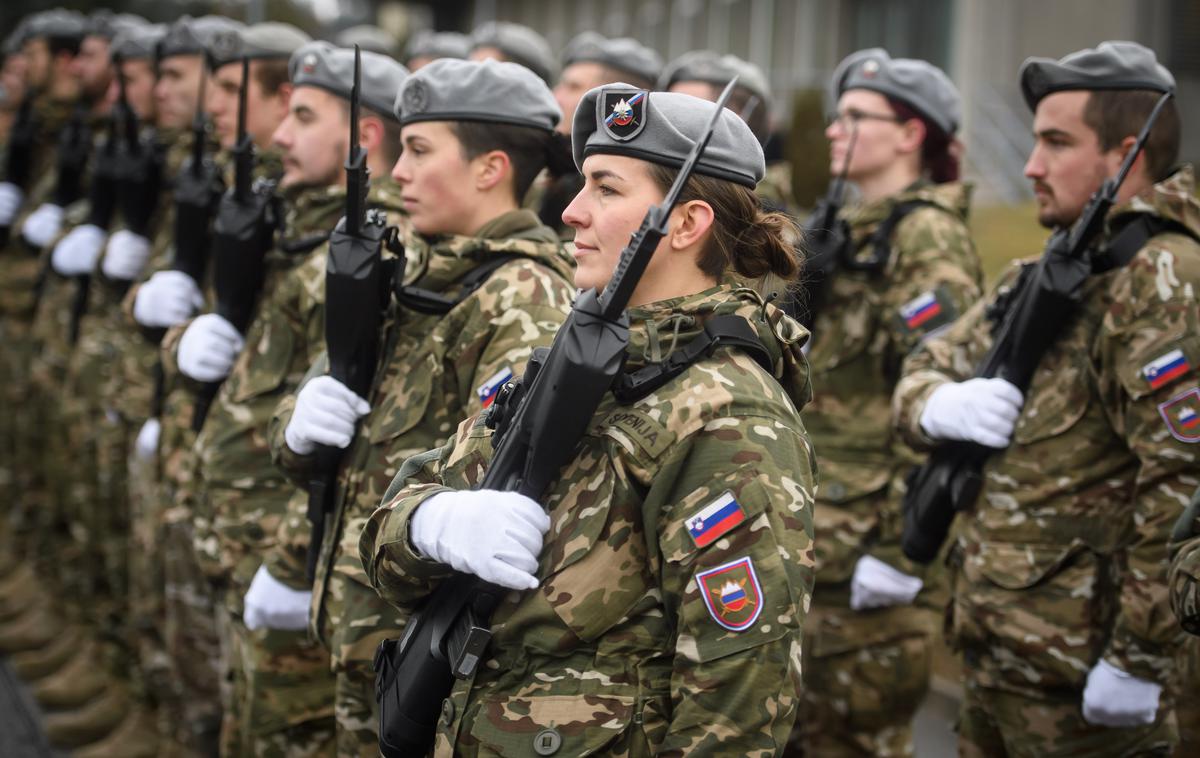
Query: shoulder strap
[[719, 331], [880, 240], [429, 302], [1132, 237]]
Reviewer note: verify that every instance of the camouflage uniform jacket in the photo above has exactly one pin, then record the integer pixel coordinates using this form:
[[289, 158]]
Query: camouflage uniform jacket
[[242, 494], [860, 337], [1064, 557], [430, 371], [636, 642], [1184, 574], [776, 188]]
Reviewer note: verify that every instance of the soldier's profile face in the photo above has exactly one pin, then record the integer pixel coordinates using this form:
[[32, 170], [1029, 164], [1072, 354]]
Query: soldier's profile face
[[880, 139], [37, 59], [177, 90], [221, 102], [92, 67], [313, 138], [139, 87], [440, 187], [1066, 165], [573, 84], [12, 78]]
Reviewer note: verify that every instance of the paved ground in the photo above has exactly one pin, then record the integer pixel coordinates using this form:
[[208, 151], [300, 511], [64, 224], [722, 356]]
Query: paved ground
[[20, 723]]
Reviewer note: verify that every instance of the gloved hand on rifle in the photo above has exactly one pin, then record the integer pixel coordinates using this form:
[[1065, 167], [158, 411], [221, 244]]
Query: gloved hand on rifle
[[494, 535], [76, 253], [977, 410], [876, 584], [42, 225], [125, 256], [1117, 699], [271, 604], [325, 414], [208, 348], [146, 445], [11, 198], [166, 299]]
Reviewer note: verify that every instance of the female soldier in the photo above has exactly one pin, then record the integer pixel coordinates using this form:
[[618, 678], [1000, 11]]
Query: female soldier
[[663, 613], [908, 269]]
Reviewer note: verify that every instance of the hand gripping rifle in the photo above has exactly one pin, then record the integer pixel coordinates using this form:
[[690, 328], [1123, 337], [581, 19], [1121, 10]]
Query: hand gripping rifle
[[355, 295], [1042, 302], [447, 636], [242, 235]]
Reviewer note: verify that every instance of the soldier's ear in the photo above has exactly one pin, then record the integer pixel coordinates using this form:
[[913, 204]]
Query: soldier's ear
[[912, 135], [370, 131]]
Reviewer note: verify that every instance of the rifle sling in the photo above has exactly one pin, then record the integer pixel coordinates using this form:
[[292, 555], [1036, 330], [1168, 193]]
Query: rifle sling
[[433, 303], [1132, 237], [719, 331]]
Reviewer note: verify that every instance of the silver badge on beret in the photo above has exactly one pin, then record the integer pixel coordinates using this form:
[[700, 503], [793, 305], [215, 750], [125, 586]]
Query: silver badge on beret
[[416, 97], [622, 113], [870, 68], [309, 64], [225, 45]]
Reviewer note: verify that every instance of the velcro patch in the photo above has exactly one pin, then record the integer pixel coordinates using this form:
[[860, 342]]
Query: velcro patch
[[1166, 368], [488, 390], [715, 520], [926, 311], [732, 594], [1182, 415]]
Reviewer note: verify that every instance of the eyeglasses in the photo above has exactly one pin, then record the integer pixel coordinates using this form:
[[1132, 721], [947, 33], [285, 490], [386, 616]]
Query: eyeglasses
[[853, 117]]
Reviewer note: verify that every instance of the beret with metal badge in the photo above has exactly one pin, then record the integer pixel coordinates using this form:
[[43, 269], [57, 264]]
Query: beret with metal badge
[[430, 44], [136, 42], [661, 127], [369, 39], [625, 54], [192, 36], [321, 64], [1113, 65], [270, 39], [918, 83], [520, 44], [491, 91], [716, 69], [106, 24], [58, 22]]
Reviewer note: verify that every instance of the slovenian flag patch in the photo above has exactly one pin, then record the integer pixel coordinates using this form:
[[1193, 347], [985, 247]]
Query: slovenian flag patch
[[919, 311], [488, 390], [1165, 368], [715, 519]]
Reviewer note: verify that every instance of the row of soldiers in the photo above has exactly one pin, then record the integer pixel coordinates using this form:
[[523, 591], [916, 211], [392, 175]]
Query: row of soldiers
[[161, 589]]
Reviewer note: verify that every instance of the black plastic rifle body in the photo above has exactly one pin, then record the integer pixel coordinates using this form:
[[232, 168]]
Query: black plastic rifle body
[[22, 137]]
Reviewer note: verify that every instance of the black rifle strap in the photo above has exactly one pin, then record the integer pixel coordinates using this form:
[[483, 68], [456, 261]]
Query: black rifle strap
[[434, 303], [880, 240], [1132, 237], [719, 331]]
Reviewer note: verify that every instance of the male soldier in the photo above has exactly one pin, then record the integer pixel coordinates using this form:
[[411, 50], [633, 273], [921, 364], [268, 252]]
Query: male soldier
[[426, 46], [1059, 572], [516, 43], [286, 696], [474, 137], [369, 39]]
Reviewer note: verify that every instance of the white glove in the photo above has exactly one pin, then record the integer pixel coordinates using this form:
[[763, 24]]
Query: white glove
[[146, 445], [878, 585], [325, 413], [125, 256], [41, 225], [492, 534], [1114, 698], [76, 253], [208, 348], [977, 410], [167, 298], [271, 604], [11, 198]]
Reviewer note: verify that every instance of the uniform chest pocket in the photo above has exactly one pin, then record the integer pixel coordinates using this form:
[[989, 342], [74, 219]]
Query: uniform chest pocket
[[560, 725], [408, 388], [264, 367], [1058, 397], [848, 324]]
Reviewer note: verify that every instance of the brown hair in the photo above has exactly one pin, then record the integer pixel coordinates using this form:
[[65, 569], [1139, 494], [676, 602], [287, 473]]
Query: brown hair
[[270, 73], [1116, 114], [745, 237], [529, 149], [938, 158]]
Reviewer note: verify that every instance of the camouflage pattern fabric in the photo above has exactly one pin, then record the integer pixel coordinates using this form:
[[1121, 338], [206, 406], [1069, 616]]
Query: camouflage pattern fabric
[[629, 646], [862, 333], [430, 369], [1063, 559], [1184, 576], [775, 189]]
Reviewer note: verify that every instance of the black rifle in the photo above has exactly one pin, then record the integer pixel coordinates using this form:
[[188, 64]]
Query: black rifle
[[561, 389], [355, 290], [22, 137], [197, 193], [74, 149], [242, 235], [1041, 304]]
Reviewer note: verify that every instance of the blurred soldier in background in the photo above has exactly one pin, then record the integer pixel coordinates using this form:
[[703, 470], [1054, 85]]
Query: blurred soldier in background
[[427, 46], [370, 38], [516, 43]]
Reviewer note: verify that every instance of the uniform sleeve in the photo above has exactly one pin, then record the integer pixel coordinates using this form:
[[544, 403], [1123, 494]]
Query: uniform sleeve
[[297, 467], [1184, 574], [738, 594], [1149, 358]]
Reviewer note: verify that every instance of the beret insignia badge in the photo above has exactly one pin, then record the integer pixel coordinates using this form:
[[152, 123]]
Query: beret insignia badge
[[309, 64], [416, 97], [622, 113]]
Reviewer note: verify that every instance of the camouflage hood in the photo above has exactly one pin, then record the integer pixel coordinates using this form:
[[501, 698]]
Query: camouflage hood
[[659, 328], [435, 263], [1174, 199], [309, 213], [953, 197]]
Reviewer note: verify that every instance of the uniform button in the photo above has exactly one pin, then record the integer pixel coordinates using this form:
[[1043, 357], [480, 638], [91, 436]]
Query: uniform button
[[447, 711], [547, 742], [837, 490]]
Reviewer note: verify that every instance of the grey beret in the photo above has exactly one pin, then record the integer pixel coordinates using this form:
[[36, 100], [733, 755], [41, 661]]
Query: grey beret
[[320, 64], [109, 25], [58, 22], [662, 127], [1112, 65], [431, 44], [192, 36], [16, 38], [625, 54], [137, 43], [719, 70], [368, 38], [520, 44], [270, 39], [493, 91], [920, 84]]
